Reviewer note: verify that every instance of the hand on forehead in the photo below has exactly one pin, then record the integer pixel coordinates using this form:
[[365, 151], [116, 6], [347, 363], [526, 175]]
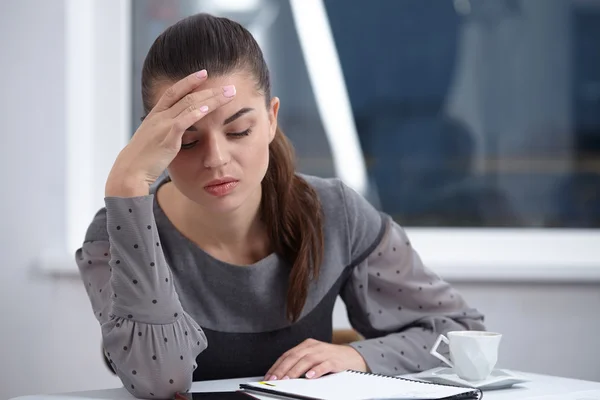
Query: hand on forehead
[[242, 84]]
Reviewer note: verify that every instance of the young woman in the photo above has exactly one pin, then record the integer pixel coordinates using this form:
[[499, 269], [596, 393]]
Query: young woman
[[230, 267]]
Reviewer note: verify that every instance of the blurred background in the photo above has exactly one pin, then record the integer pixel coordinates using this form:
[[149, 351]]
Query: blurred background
[[474, 123]]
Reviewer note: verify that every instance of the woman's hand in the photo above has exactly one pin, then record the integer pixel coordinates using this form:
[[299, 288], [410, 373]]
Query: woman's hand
[[313, 359], [158, 139]]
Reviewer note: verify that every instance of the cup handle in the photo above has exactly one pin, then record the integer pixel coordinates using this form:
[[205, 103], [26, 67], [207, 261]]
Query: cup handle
[[437, 355]]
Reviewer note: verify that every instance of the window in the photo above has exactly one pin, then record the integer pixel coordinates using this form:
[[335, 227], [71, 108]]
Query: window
[[467, 113], [474, 123], [477, 113], [481, 114], [97, 80]]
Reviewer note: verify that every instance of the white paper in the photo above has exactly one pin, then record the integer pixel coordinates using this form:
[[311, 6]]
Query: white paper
[[356, 386]]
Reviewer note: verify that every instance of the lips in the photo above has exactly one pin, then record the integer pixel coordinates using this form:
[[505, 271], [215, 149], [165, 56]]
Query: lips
[[221, 187], [222, 181]]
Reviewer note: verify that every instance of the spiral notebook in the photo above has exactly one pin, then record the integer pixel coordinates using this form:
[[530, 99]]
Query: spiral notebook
[[354, 385]]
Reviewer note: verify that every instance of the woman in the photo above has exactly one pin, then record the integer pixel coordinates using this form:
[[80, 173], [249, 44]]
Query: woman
[[230, 267]]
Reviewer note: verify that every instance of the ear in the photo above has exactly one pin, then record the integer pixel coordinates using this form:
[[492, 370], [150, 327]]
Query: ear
[[273, 111]]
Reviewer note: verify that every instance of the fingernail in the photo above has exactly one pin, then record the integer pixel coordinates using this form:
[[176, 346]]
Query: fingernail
[[310, 374], [229, 91], [204, 108], [273, 378], [201, 74], [285, 377]]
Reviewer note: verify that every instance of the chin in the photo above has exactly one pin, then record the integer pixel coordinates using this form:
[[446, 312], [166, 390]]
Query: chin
[[219, 204], [222, 206]]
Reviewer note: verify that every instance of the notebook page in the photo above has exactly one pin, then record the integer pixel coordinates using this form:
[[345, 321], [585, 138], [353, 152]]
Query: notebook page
[[355, 386]]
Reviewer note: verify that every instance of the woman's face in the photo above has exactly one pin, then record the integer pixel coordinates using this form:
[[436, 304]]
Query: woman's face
[[225, 155]]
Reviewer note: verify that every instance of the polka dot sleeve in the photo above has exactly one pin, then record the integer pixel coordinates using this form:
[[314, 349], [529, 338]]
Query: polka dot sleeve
[[400, 306], [151, 342]]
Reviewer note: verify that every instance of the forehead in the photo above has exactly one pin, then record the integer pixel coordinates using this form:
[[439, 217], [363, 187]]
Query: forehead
[[245, 86]]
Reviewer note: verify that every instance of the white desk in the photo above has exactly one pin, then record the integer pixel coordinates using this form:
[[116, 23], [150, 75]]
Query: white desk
[[540, 385]]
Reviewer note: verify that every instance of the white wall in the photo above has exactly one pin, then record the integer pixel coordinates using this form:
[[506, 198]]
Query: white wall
[[551, 329], [547, 328], [49, 339]]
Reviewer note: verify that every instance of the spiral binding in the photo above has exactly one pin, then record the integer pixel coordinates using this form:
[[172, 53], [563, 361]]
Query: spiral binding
[[475, 390]]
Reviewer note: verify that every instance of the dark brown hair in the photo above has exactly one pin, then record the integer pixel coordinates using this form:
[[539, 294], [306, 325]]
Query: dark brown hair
[[290, 208]]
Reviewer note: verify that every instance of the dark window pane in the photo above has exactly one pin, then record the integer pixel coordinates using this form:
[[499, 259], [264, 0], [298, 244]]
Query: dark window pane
[[469, 112], [477, 113]]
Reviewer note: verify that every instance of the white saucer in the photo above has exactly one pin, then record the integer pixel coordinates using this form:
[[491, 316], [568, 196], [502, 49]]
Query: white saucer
[[498, 379]]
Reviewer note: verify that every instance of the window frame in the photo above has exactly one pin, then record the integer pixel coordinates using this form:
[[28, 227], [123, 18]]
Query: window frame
[[97, 85], [99, 30], [464, 254]]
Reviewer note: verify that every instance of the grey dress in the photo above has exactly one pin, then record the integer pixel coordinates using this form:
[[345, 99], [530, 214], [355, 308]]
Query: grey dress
[[171, 314]]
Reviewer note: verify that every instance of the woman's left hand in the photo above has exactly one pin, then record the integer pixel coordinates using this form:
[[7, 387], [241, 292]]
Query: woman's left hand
[[313, 359]]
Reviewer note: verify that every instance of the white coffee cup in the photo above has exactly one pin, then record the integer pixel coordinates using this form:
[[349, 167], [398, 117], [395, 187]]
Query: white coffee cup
[[474, 353]]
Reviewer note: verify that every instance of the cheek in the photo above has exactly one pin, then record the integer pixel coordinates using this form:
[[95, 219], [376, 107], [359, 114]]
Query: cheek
[[179, 169], [254, 156]]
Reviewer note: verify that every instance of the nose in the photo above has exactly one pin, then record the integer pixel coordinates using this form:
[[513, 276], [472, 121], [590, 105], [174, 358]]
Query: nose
[[215, 154]]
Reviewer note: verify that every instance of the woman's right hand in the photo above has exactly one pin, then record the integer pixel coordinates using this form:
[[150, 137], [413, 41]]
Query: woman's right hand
[[158, 139]]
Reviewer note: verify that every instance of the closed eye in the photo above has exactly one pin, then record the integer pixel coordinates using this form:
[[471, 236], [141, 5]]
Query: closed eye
[[236, 135], [185, 146], [240, 134]]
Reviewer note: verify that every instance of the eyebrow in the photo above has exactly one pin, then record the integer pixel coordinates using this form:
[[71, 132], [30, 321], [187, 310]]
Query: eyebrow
[[228, 120], [238, 114]]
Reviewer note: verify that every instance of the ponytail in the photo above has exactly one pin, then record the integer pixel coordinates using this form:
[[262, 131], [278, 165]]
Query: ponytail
[[292, 212]]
